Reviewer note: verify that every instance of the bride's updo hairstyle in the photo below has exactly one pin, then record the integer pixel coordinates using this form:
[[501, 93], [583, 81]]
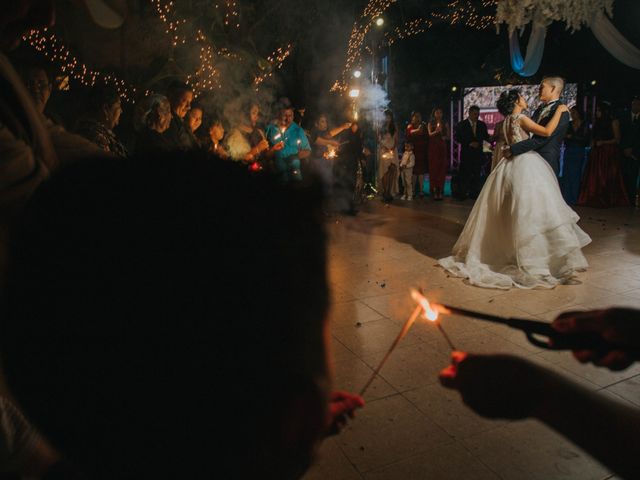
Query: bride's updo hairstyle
[[507, 101]]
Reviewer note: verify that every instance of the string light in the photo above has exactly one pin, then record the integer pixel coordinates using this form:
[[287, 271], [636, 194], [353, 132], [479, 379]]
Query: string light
[[361, 27], [207, 76], [459, 12], [275, 60], [166, 13], [56, 52], [231, 16]]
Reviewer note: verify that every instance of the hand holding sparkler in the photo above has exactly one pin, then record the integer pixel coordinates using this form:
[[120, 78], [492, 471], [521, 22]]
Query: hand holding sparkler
[[497, 386], [342, 406]]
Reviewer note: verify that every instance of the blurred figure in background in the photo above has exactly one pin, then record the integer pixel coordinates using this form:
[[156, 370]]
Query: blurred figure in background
[[603, 185], [438, 156], [388, 172], [418, 135], [576, 142], [156, 119]]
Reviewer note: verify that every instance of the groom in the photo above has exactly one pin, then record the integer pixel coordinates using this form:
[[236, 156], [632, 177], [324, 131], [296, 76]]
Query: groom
[[551, 89]]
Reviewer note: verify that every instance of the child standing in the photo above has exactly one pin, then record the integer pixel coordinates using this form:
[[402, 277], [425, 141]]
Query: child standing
[[406, 171]]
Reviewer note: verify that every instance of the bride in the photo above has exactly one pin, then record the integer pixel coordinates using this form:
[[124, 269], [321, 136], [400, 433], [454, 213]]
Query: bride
[[520, 232]]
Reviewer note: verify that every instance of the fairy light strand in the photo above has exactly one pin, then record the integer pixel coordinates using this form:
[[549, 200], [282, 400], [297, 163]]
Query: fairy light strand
[[47, 43]]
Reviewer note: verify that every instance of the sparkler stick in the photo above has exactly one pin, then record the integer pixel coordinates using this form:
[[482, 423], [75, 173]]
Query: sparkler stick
[[405, 329], [444, 334], [431, 314]]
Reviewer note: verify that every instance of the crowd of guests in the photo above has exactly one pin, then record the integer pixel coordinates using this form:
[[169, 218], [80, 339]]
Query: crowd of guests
[[273, 141], [600, 161]]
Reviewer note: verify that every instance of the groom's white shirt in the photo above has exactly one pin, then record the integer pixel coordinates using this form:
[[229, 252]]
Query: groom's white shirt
[[546, 109]]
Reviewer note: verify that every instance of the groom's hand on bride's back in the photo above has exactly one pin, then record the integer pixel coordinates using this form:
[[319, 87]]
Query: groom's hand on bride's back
[[615, 325]]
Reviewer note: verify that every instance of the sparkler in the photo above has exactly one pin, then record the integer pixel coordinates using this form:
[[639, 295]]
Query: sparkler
[[331, 153], [405, 329], [430, 314]]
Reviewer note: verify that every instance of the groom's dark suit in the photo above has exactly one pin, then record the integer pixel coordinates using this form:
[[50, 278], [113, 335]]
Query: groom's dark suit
[[547, 147]]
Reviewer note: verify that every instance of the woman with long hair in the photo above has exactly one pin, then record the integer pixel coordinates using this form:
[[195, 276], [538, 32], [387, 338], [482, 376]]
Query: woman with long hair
[[603, 185], [438, 159], [417, 134]]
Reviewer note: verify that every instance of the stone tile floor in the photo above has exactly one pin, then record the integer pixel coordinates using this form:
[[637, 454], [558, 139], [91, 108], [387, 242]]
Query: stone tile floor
[[412, 428]]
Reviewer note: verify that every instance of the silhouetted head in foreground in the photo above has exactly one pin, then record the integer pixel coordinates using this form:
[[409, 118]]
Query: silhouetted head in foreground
[[161, 326]]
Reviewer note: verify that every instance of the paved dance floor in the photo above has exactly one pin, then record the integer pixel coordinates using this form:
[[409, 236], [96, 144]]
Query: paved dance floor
[[412, 428]]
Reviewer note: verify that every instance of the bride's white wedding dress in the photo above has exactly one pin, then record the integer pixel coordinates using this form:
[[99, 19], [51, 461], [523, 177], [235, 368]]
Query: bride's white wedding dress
[[520, 232]]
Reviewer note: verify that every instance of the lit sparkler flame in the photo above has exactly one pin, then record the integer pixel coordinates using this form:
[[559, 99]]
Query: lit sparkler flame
[[429, 312], [331, 153]]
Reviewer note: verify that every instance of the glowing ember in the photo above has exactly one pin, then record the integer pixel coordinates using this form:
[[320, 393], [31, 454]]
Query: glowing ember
[[331, 153]]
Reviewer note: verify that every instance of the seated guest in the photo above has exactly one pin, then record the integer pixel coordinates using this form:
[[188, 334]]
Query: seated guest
[[132, 337], [180, 96], [103, 114], [156, 120]]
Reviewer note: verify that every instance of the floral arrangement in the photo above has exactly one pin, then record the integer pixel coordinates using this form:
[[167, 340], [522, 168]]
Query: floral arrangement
[[517, 14]]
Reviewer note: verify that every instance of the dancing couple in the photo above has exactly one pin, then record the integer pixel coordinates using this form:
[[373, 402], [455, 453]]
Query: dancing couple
[[520, 232]]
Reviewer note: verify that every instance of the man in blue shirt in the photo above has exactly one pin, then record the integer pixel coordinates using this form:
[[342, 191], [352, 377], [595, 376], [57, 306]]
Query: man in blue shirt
[[295, 145]]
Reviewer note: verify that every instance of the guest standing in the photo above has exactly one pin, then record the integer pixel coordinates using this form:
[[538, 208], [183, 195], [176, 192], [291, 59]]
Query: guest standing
[[470, 134], [438, 159], [406, 171], [247, 141], [630, 145], [346, 169], [193, 121], [104, 110], [388, 157], [576, 142], [215, 128], [290, 144], [603, 186], [324, 147], [180, 96], [418, 135], [156, 118]]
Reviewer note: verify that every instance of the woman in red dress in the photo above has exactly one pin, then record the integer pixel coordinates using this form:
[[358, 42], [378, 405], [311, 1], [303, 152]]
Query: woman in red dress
[[417, 135], [437, 153], [602, 184]]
